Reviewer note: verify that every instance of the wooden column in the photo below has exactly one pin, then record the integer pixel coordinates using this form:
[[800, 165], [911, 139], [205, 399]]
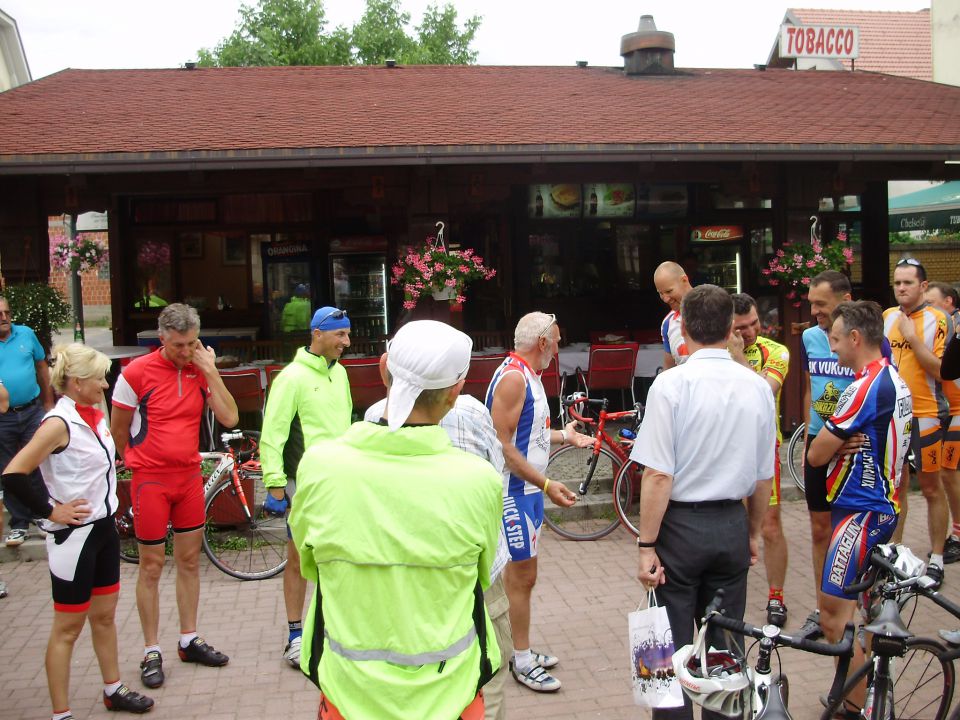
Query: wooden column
[[875, 243]]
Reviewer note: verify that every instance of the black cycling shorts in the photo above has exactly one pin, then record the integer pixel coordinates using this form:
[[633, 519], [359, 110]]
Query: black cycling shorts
[[84, 561], [815, 483]]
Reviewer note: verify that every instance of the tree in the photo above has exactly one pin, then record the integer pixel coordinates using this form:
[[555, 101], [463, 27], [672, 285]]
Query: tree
[[293, 32]]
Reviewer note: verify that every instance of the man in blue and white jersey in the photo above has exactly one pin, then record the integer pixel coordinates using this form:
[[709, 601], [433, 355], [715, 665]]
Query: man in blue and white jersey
[[863, 445], [521, 417], [672, 286], [825, 379]]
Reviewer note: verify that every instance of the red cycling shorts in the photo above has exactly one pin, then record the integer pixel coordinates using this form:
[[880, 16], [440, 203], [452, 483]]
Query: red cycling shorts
[[159, 499]]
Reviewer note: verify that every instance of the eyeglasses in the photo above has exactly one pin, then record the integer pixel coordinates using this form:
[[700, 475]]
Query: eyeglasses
[[909, 261], [553, 320], [335, 314]]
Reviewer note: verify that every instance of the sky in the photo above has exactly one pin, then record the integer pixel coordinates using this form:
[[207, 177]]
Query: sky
[[59, 34]]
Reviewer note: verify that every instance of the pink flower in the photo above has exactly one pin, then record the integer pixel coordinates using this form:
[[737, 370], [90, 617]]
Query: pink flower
[[765, 271], [805, 280], [797, 304], [409, 304], [773, 283], [780, 253], [811, 263], [842, 236], [848, 255], [791, 295], [461, 299], [797, 259]]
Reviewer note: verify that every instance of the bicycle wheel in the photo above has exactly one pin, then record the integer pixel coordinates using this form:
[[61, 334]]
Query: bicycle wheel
[[592, 516], [922, 682], [129, 549], [247, 546], [626, 496], [795, 456]]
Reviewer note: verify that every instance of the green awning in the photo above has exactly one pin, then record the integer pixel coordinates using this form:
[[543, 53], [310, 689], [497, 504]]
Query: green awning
[[933, 208]]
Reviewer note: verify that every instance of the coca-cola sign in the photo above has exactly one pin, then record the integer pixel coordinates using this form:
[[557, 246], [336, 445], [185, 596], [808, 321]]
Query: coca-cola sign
[[716, 233]]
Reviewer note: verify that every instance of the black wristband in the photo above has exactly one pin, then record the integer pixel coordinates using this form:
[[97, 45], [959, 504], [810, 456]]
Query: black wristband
[[642, 544]]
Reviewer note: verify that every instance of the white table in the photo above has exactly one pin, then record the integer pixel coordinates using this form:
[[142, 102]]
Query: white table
[[649, 359], [122, 352]]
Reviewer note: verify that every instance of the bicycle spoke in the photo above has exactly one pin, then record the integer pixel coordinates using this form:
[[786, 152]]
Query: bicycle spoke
[[593, 515]]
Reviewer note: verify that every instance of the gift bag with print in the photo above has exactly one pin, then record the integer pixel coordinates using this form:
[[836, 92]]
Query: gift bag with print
[[651, 651]]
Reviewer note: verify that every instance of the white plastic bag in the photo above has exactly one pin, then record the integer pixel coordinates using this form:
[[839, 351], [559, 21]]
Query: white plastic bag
[[651, 651]]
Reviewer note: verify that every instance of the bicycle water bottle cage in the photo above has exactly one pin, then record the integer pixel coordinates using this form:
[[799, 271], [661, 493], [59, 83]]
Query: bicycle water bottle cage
[[889, 633], [627, 434]]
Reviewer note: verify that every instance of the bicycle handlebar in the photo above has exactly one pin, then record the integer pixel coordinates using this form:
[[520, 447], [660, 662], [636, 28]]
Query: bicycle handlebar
[[911, 582], [714, 617]]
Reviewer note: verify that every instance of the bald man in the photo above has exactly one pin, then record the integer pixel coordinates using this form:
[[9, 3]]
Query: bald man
[[672, 285]]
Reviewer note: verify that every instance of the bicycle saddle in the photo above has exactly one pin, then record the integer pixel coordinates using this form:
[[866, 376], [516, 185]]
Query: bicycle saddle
[[774, 708], [889, 623]]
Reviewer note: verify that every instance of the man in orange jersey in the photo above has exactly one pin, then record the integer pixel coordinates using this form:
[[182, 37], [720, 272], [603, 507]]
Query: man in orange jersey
[[917, 332]]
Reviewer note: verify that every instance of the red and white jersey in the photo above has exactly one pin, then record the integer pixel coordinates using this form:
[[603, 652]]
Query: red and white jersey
[[673, 341], [168, 404]]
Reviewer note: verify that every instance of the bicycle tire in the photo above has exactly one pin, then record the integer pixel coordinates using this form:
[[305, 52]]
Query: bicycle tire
[[922, 683], [795, 450], [246, 548], [626, 496], [123, 519], [592, 516]]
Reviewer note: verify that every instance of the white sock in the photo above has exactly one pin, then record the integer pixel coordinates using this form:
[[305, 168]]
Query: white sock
[[110, 689], [936, 560], [522, 659], [151, 648], [185, 638], [61, 715]]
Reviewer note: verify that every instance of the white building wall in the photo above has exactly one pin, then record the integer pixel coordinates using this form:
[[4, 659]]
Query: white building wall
[[945, 32]]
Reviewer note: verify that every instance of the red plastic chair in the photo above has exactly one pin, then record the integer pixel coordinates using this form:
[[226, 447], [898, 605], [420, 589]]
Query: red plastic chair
[[272, 371], [480, 374], [366, 386], [553, 382], [611, 367]]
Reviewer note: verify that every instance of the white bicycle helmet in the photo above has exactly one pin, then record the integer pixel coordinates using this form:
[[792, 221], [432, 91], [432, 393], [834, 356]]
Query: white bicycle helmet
[[713, 679]]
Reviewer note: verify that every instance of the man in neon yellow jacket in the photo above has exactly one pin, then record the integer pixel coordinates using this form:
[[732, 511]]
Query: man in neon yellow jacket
[[397, 628], [309, 401]]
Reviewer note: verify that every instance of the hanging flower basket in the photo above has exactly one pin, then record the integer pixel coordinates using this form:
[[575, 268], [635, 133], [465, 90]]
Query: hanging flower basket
[[435, 271], [79, 253], [797, 263]]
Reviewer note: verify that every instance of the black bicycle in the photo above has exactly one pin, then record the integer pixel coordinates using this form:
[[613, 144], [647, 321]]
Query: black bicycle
[[907, 677], [768, 694]]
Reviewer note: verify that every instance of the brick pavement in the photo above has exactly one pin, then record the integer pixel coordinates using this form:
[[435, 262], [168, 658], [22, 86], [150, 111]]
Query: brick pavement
[[580, 604]]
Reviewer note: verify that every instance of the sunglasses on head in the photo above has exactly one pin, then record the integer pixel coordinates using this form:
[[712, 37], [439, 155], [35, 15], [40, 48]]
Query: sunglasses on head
[[909, 261], [336, 315], [553, 320]]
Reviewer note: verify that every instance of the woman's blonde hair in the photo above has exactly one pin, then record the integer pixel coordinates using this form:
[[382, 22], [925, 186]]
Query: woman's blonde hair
[[76, 361]]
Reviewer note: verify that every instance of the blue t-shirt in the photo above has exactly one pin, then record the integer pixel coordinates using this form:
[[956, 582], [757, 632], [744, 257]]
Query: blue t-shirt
[[19, 354], [877, 404], [828, 379]]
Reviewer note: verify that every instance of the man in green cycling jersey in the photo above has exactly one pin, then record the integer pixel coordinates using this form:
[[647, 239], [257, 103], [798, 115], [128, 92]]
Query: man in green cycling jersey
[[770, 360], [309, 401]]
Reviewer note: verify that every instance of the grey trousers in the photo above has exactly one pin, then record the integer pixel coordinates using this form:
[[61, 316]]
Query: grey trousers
[[701, 550]]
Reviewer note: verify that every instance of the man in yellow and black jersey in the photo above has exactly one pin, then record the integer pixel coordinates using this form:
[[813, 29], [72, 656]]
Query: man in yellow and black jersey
[[771, 361]]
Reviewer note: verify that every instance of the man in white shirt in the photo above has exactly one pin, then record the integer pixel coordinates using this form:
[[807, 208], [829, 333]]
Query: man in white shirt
[[707, 441]]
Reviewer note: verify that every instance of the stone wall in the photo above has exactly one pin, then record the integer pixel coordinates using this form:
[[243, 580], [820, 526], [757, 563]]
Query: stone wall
[[941, 260]]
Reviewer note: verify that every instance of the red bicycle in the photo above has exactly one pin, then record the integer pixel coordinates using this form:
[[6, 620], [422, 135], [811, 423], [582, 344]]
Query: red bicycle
[[592, 472]]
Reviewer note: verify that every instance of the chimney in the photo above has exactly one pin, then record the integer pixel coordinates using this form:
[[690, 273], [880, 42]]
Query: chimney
[[647, 51]]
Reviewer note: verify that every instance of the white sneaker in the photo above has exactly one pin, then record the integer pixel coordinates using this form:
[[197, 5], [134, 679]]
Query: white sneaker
[[536, 678], [545, 661], [291, 653], [3, 589]]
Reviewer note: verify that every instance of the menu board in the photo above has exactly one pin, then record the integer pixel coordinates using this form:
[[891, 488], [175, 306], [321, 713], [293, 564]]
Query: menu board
[[609, 200], [555, 201]]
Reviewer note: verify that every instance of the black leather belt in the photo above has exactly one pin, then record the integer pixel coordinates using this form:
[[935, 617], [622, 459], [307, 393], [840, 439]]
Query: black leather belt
[[25, 406], [703, 505]]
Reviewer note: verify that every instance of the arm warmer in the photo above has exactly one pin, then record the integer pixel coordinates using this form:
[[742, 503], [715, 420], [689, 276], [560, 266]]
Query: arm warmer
[[36, 499]]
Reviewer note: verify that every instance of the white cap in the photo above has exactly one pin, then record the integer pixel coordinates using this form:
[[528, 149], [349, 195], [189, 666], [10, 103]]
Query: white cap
[[424, 355]]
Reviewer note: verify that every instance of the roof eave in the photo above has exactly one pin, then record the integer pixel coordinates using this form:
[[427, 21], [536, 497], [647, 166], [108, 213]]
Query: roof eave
[[69, 163]]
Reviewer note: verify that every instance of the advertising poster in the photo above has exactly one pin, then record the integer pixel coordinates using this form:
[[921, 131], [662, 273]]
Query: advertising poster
[[555, 201], [609, 200]]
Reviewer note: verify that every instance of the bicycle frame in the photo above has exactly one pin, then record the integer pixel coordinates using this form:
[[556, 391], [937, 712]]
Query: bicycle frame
[[600, 434]]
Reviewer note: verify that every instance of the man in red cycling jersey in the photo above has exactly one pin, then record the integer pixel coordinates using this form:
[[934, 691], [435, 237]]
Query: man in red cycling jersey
[[157, 406]]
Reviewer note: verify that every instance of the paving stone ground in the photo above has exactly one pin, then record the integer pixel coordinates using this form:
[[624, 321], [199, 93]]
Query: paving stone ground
[[580, 606]]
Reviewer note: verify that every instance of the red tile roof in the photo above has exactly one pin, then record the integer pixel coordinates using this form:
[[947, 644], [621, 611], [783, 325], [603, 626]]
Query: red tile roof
[[897, 43], [362, 114]]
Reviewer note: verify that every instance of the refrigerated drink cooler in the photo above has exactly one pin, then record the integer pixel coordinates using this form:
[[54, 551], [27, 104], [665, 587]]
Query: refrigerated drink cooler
[[719, 256], [359, 284]]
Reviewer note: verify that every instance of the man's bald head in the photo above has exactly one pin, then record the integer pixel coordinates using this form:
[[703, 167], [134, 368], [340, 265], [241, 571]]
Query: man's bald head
[[671, 283]]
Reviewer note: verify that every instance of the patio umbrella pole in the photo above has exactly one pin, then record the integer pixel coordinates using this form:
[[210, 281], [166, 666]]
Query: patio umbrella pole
[[76, 288]]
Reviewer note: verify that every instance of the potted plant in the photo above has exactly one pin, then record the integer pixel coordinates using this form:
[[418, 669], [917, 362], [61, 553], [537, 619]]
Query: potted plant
[[797, 263], [437, 271], [40, 307], [77, 254]]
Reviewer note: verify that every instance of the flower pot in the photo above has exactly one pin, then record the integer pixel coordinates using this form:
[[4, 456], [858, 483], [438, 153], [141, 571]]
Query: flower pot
[[448, 293]]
